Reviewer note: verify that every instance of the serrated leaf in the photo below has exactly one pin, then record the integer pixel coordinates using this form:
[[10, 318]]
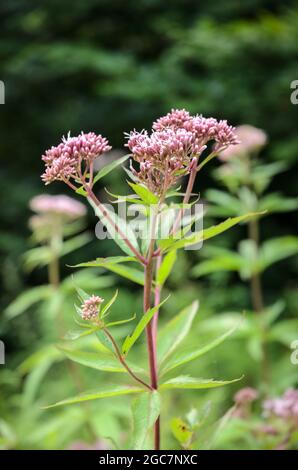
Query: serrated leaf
[[145, 319], [99, 362], [93, 360], [111, 391], [184, 381], [115, 265], [203, 235], [104, 262], [145, 411], [171, 335], [186, 356]]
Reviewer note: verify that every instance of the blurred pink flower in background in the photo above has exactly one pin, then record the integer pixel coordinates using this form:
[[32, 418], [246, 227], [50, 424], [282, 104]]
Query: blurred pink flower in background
[[251, 140], [246, 395], [285, 407], [58, 205]]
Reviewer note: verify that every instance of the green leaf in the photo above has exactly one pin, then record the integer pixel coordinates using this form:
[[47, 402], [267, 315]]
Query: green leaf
[[144, 193], [110, 222], [225, 203], [99, 362], [121, 322], [104, 312], [166, 267], [77, 333], [145, 319], [276, 202], [181, 431], [185, 381], [93, 360], [133, 274], [27, 299], [110, 167], [277, 249], [111, 391], [104, 262], [205, 234], [33, 380], [75, 243], [114, 264], [189, 355], [229, 262], [82, 294], [145, 411], [175, 331]]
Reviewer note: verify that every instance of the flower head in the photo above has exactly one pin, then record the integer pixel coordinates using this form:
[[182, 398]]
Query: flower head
[[251, 139], [65, 161], [284, 407], [90, 308], [175, 141], [47, 204], [175, 119]]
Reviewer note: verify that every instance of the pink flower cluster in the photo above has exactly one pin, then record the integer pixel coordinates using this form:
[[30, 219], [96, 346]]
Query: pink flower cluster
[[285, 407], [90, 307], [176, 139], [57, 205], [65, 161]]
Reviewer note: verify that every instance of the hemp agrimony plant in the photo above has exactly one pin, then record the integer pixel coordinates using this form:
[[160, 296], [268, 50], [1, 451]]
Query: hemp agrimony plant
[[178, 147]]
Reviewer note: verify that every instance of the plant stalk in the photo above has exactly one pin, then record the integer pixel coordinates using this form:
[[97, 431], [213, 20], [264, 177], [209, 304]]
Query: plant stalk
[[257, 300], [122, 360]]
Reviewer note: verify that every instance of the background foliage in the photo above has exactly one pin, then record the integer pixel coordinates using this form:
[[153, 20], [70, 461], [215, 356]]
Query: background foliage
[[112, 66]]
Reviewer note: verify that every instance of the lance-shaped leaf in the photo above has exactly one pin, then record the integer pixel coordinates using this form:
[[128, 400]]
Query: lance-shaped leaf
[[202, 235], [115, 264], [145, 411], [104, 262], [77, 333], [121, 322], [186, 356], [145, 319], [166, 267], [133, 274], [105, 310], [175, 331], [103, 172], [144, 193], [110, 167], [111, 220], [104, 392], [185, 381], [27, 299], [101, 362]]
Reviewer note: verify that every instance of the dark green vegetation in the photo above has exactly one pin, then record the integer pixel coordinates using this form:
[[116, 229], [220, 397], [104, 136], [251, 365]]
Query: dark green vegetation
[[112, 66]]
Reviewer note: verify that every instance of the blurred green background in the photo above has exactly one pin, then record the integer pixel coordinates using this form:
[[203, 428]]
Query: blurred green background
[[113, 66]]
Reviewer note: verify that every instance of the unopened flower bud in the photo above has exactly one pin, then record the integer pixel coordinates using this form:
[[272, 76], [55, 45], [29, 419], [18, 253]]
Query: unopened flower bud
[[90, 308]]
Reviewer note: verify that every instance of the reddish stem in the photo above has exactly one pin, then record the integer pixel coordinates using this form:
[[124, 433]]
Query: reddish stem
[[114, 225]]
